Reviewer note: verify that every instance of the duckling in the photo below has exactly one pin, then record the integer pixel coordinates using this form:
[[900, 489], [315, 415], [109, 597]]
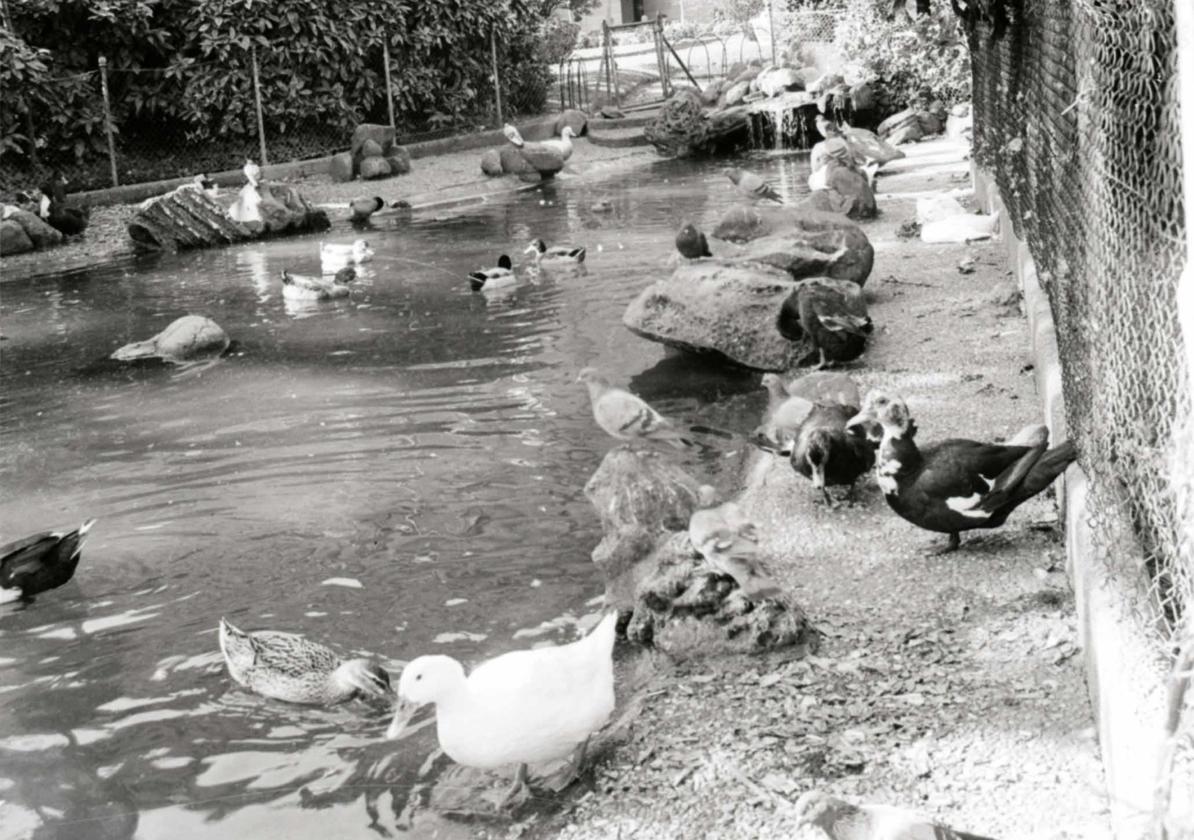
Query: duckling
[[494, 278], [820, 386], [826, 453], [305, 287], [564, 144], [752, 185], [957, 485], [285, 666], [624, 416], [68, 220], [40, 563], [362, 208], [832, 315], [691, 243], [524, 707], [334, 256], [729, 542], [556, 253]]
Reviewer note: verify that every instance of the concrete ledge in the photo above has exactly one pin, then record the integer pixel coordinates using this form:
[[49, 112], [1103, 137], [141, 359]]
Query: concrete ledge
[[1124, 673], [540, 128]]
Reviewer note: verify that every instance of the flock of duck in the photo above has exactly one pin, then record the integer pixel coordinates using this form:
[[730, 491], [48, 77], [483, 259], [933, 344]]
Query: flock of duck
[[531, 706]]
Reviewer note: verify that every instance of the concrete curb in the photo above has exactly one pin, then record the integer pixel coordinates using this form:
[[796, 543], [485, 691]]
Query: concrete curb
[[1124, 675], [540, 128]]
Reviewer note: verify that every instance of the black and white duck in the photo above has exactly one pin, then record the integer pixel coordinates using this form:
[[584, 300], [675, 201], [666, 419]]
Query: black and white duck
[[288, 667], [831, 315], [63, 217], [40, 562], [500, 276], [957, 485], [555, 254]]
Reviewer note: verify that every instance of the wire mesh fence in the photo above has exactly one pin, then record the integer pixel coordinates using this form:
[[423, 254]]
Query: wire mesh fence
[[1077, 113]]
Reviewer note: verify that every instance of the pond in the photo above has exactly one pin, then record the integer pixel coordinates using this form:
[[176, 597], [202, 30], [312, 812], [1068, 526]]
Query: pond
[[397, 473]]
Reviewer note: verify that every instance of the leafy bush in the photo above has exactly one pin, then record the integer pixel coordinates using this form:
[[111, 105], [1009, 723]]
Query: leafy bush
[[922, 58], [559, 39]]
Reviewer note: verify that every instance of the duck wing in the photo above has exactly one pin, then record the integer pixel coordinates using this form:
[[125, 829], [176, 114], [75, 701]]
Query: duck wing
[[566, 252], [41, 561], [965, 474], [302, 281], [290, 654]]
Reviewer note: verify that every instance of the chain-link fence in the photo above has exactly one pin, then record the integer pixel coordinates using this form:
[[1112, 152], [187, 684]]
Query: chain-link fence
[[1077, 114], [120, 137]]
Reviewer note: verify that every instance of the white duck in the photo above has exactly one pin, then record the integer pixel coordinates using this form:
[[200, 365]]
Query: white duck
[[334, 256], [524, 707], [304, 287], [252, 173], [564, 144]]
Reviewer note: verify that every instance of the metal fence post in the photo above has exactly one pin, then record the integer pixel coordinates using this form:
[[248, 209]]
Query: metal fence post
[[497, 84], [771, 31], [257, 100], [385, 60], [103, 69]]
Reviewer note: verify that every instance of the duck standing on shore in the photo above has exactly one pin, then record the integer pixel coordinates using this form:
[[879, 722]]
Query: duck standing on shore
[[67, 219]]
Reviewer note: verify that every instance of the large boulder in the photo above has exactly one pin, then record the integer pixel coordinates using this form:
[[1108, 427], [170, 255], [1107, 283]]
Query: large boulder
[[844, 254], [491, 162], [572, 118], [726, 307], [745, 223], [399, 160], [37, 229], [380, 135], [341, 168], [186, 218], [13, 239], [777, 80], [185, 339], [640, 495], [374, 167], [370, 148], [513, 163], [734, 94]]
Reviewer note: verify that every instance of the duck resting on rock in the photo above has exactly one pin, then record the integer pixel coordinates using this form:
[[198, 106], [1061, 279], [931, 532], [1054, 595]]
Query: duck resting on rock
[[957, 484], [523, 707], [40, 563], [285, 666], [831, 315], [305, 287]]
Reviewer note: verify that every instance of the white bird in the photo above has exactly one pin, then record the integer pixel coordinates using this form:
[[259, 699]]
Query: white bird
[[564, 144], [500, 277], [252, 172], [512, 134], [752, 185], [304, 287], [556, 253], [729, 543], [524, 707], [624, 416], [334, 256], [841, 820]]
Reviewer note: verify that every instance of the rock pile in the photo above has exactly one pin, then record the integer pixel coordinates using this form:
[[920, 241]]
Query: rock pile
[[373, 154]]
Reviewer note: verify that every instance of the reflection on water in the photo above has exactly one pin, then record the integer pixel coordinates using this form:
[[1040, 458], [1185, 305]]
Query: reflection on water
[[395, 473]]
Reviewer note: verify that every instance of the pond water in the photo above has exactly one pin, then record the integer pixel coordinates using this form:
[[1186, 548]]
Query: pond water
[[398, 473]]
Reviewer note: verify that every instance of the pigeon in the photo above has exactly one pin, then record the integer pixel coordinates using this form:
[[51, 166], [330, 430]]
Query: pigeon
[[729, 543], [624, 416], [840, 820], [821, 386], [691, 243], [752, 185]]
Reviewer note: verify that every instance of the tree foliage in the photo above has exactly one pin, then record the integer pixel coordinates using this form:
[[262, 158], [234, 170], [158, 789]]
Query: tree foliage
[[186, 64]]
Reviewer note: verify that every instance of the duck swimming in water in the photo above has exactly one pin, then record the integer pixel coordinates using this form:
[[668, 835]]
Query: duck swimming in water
[[334, 256], [557, 254], [40, 563], [305, 287], [499, 277]]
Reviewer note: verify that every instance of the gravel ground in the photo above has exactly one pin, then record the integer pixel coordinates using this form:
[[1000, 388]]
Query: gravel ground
[[431, 182]]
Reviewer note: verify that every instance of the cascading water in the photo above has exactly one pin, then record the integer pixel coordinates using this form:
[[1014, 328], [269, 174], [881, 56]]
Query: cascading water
[[780, 123]]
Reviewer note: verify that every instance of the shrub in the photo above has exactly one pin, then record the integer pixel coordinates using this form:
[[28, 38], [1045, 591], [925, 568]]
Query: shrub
[[925, 57]]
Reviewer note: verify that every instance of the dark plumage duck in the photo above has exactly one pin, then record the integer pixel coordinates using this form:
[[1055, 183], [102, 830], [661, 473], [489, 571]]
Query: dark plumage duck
[[39, 563], [831, 315], [691, 243], [362, 208], [958, 485], [67, 219], [826, 453]]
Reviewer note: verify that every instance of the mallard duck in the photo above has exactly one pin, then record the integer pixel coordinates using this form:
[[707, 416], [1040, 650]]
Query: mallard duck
[[957, 485], [334, 256], [832, 315], [564, 144], [841, 820], [500, 277], [820, 386], [752, 185], [40, 563], [285, 666], [729, 543], [691, 243], [524, 707], [68, 220], [305, 287], [360, 209], [826, 453], [556, 253], [624, 416], [252, 172]]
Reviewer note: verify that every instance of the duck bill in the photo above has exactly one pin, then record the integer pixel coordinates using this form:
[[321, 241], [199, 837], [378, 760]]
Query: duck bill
[[818, 477], [858, 420], [404, 710]]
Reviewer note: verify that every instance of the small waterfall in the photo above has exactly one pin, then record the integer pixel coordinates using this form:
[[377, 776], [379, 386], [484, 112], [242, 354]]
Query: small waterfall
[[780, 123]]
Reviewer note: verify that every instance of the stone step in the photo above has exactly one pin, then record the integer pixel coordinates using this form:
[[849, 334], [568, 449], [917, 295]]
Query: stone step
[[618, 137]]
